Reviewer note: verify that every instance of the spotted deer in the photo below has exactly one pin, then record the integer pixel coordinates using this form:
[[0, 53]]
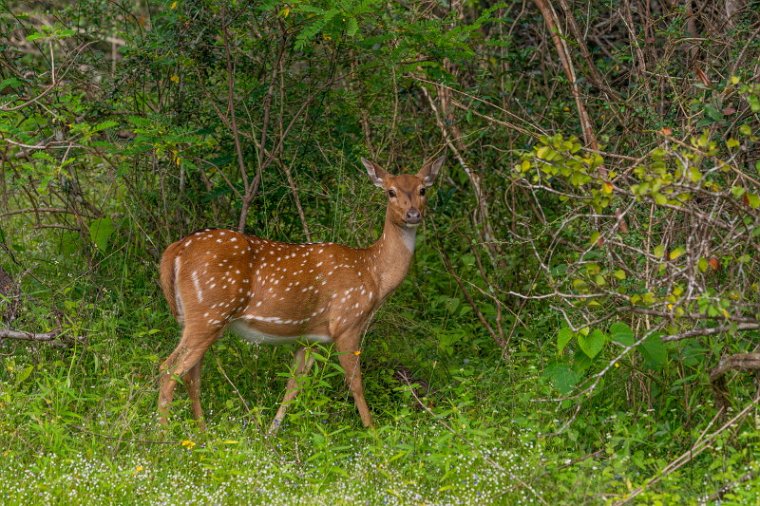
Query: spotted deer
[[274, 292]]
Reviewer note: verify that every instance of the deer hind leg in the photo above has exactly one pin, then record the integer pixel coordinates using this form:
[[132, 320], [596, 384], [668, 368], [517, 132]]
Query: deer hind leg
[[301, 366], [191, 348], [348, 355], [193, 384]]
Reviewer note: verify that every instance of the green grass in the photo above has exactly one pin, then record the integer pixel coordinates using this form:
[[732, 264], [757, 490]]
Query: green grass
[[82, 430], [78, 425]]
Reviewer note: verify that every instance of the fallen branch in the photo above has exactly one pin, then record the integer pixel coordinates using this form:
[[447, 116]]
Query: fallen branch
[[739, 361], [552, 24], [749, 475], [52, 337], [690, 454]]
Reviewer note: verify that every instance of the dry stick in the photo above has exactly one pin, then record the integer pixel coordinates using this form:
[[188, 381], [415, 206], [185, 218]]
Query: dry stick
[[43, 337], [37, 210], [627, 18], [550, 17], [285, 167], [727, 487], [496, 337], [473, 177], [503, 123], [522, 483], [291, 183], [52, 86], [533, 127], [235, 132], [296, 198], [596, 76], [690, 454], [449, 125], [739, 361], [240, 396]]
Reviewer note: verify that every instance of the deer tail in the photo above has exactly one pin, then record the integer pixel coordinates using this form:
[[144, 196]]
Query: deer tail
[[168, 279]]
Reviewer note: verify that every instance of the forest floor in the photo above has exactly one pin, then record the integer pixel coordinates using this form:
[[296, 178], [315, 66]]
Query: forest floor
[[78, 427]]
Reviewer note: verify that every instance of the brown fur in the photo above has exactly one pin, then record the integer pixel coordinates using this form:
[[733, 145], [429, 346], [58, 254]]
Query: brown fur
[[167, 276], [269, 291]]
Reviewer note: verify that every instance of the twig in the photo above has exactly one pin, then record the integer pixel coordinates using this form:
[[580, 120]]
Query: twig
[[739, 361], [496, 337], [550, 17], [456, 434], [51, 337], [690, 454]]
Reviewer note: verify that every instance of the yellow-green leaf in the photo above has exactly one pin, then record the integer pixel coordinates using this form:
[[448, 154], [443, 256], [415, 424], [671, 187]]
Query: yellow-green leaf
[[677, 252], [659, 198], [543, 152]]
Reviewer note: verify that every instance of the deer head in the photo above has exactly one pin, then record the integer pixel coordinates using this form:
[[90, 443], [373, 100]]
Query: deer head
[[406, 192]]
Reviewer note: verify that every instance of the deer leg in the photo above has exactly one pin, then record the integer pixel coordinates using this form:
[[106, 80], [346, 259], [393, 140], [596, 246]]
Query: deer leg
[[193, 383], [188, 353], [301, 366], [348, 355]]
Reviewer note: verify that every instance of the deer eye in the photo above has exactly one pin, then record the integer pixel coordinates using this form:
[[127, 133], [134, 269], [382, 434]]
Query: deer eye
[[392, 193], [422, 191]]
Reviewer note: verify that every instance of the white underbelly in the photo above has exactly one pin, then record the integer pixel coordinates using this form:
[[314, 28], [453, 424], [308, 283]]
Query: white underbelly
[[249, 333]]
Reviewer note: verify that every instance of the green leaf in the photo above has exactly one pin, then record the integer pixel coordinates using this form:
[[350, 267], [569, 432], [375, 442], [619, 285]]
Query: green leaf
[[713, 113], [654, 352], [24, 374], [593, 343], [621, 333], [352, 27], [105, 125], [581, 364], [659, 198], [100, 231], [11, 82], [562, 376], [677, 252], [659, 250], [564, 336]]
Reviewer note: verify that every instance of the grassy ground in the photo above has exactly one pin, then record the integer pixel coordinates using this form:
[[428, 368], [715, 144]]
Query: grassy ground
[[77, 425], [80, 429]]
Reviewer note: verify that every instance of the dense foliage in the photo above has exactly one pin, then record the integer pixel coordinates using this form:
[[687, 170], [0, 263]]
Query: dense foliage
[[584, 306]]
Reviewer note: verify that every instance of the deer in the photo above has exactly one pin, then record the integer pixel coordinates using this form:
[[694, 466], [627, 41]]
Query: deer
[[271, 292]]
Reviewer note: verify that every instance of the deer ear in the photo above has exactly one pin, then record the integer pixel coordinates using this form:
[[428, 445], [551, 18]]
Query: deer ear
[[376, 173], [429, 171]]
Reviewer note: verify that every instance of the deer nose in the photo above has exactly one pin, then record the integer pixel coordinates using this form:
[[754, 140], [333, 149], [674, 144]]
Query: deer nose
[[413, 216]]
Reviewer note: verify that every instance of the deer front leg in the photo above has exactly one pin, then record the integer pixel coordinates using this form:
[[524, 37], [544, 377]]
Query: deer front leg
[[348, 355], [301, 366]]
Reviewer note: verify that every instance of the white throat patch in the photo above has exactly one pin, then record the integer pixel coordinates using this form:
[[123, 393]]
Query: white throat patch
[[409, 235]]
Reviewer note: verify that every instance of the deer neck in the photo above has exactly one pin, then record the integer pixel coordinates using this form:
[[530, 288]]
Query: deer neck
[[392, 254]]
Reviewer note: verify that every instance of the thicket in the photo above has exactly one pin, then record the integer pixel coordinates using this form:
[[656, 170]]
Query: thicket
[[592, 242]]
